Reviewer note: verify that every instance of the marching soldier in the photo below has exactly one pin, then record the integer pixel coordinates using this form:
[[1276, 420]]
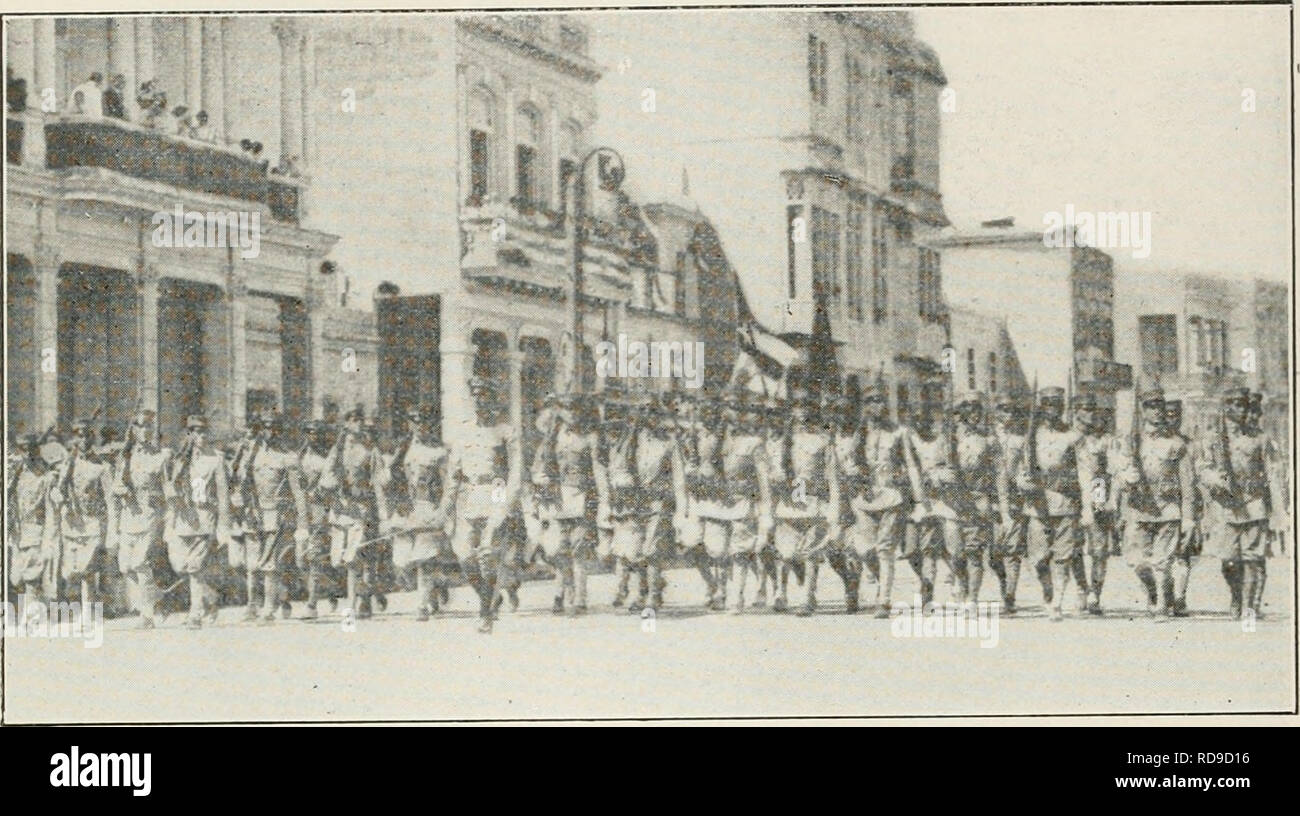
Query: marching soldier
[[415, 492], [1238, 480], [644, 478], [198, 499], [242, 552], [1158, 481], [735, 523], [979, 493], [1101, 447], [142, 469], [808, 504], [32, 519], [934, 520], [1054, 479], [700, 444], [279, 506], [486, 469], [884, 497], [312, 556], [348, 480], [1189, 545], [573, 481], [81, 494], [1011, 543], [847, 432]]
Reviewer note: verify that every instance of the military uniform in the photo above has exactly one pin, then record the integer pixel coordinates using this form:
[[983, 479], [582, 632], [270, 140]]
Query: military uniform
[[977, 495], [1238, 482], [731, 523], [934, 519], [81, 493], [141, 512], [567, 489], [1053, 505], [806, 503], [197, 490], [642, 499], [1158, 479], [705, 489], [278, 515], [32, 519], [482, 466], [312, 555], [353, 520]]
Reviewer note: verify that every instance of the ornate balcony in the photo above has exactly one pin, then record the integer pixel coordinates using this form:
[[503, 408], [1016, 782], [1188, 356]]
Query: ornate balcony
[[153, 156]]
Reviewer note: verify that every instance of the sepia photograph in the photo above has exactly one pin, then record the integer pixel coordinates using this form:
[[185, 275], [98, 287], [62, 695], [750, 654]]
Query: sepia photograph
[[739, 363]]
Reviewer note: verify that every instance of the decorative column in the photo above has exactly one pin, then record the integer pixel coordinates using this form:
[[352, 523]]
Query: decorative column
[[457, 361], [237, 312], [46, 70], [316, 299], [228, 98], [121, 60], [290, 87], [194, 64], [508, 133], [307, 84], [144, 70], [22, 55], [553, 154], [146, 284], [212, 85], [47, 335]]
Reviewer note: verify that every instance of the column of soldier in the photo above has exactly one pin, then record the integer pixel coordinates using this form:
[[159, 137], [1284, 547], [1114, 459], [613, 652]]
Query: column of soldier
[[746, 489]]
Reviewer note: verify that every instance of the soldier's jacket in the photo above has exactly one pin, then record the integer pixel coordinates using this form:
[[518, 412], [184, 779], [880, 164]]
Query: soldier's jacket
[[312, 465], [654, 466], [422, 470], [1105, 455], [810, 477], [480, 465], [938, 477], [273, 495], [1252, 456], [143, 507], [30, 510], [1162, 490], [83, 502], [978, 486], [349, 478], [743, 457], [704, 478], [1061, 474], [1011, 446], [884, 460], [199, 511]]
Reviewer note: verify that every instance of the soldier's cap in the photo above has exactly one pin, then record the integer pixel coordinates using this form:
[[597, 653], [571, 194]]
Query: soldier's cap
[[81, 425], [28, 441], [1086, 402], [196, 422], [1051, 392], [358, 412], [108, 434], [1173, 402], [1256, 399], [315, 427], [144, 416], [255, 421], [1236, 394], [968, 398], [272, 420], [479, 385], [1154, 396], [873, 393]]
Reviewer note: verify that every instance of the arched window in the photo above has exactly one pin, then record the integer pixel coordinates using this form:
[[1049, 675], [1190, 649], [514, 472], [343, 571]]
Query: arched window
[[528, 139], [567, 153], [481, 121]]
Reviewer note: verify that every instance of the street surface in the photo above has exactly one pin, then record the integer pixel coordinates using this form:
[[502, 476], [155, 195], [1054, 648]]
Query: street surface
[[689, 663]]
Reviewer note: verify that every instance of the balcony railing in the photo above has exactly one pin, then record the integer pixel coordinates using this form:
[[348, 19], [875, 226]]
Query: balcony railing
[[155, 156]]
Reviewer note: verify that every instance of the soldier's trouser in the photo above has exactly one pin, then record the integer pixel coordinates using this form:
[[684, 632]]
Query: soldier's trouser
[[799, 542], [1053, 550], [1098, 539], [968, 560], [1150, 550], [1009, 546], [936, 539], [472, 543], [875, 540]]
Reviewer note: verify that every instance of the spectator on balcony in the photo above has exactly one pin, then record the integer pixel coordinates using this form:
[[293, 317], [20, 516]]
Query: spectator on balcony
[[114, 104], [147, 97], [288, 166], [202, 130], [175, 125], [154, 108], [15, 91], [87, 99]]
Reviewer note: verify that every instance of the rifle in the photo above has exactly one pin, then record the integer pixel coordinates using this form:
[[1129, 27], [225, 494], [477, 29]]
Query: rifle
[[397, 472], [1223, 456], [65, 479], [1135, 439]]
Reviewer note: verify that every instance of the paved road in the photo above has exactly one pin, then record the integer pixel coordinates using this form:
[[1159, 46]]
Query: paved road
[[691, 663]]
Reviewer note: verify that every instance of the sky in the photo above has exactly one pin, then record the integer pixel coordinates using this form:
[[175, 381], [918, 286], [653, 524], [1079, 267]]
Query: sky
[[1098, 109]]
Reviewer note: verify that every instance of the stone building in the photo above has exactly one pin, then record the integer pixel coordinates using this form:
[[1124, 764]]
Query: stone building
[[1057, 302], [984, 357], [107, 309], [1195, 335]]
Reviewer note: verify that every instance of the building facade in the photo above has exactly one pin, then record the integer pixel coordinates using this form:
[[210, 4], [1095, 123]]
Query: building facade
[[983, 357], [107, 309], [1195, 335], [1057, 302]]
